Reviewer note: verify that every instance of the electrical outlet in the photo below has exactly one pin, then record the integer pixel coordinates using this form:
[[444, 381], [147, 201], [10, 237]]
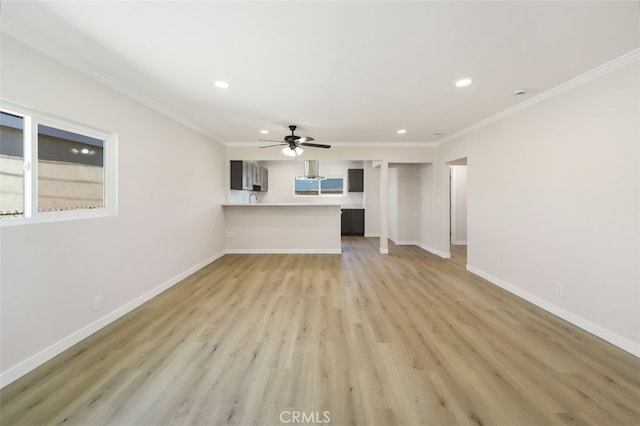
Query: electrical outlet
[[560, 289], [97, 303], [229, 234]]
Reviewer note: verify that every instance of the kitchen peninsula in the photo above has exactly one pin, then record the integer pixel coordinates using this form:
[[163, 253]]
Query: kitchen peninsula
[[282, 227]]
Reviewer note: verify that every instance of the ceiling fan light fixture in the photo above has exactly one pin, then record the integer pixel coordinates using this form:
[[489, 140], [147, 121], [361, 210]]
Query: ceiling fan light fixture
[[292, 152], [288, 152]]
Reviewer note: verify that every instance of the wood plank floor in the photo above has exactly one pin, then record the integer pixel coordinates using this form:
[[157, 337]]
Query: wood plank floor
[[401, 339]]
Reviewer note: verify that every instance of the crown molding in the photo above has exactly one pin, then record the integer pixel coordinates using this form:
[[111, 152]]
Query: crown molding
[[345, 144], [17, 32], [385, 144], [615, 64]]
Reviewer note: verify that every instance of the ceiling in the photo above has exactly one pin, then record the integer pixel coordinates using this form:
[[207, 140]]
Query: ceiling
[[344, 72]]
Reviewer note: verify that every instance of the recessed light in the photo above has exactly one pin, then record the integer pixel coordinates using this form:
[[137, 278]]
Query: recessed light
[[264, 132], [84, 151], [438, 134], [520, 92], [221, 84], [463, 83], [401, 131]]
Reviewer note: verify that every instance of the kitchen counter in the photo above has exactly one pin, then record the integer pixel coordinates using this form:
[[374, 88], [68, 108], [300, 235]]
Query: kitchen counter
[[278, 205], [282, 227]]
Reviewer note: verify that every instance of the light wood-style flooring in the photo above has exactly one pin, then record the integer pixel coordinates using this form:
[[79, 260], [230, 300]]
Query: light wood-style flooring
[[401, 339]]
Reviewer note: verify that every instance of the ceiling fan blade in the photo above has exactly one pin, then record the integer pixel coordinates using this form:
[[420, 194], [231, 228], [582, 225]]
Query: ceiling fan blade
[[294, 141], [316, 145], [269, 146]]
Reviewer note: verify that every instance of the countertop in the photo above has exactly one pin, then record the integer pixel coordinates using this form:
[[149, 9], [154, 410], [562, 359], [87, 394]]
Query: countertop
[[279, 205]]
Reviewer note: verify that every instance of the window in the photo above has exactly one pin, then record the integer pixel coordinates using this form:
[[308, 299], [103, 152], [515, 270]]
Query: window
[[11, 166], [70, 170], [51, 169], [331, 186]]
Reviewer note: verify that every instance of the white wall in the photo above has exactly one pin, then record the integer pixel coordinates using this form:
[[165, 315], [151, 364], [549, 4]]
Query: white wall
[[427, 209], [405, 203], [170, 222], [372, 200], [410, 202], [554, 197], [458, 204], [394, 204]]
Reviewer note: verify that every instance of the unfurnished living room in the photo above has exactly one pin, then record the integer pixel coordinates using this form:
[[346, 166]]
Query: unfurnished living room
[[319, 212]]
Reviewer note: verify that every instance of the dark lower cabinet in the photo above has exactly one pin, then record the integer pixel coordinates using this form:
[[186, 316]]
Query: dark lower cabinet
[[352, 222]]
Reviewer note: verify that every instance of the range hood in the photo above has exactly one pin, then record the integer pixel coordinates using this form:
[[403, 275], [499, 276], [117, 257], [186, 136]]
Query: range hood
[[311, 170]]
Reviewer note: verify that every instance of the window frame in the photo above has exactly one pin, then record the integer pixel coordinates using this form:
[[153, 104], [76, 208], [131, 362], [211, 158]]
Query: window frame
[[320, 194], [32, 119]]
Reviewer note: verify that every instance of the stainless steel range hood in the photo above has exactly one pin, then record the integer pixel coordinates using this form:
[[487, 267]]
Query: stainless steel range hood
[[311, 170]]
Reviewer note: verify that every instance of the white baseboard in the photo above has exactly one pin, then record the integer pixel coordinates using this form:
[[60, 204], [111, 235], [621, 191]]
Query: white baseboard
[[406, 243], [459, 243], [595, 329], [434, 251], [372, 235], [45, 355], [284, 251]]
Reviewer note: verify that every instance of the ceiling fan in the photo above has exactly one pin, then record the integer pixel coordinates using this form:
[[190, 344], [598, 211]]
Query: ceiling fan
[[292, 143]]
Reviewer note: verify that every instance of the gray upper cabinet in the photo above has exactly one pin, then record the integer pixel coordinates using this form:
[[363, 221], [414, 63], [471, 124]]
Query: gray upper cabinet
[[257, 175], [265, 179], [248, 176], [356, 180]]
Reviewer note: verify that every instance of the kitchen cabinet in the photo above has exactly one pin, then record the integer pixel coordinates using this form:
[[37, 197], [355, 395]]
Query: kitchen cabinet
[[265, 179], [256, 174], [352, 222], [240, 179], [248, 176], [356, 180]]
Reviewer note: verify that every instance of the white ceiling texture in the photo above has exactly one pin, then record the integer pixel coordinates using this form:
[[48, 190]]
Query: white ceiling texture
[[344, 71]]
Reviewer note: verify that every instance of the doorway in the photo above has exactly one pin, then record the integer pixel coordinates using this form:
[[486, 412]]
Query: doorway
[[458, 180]]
